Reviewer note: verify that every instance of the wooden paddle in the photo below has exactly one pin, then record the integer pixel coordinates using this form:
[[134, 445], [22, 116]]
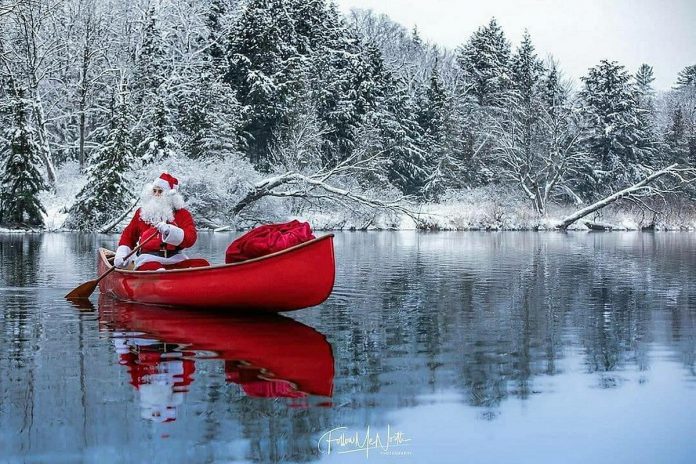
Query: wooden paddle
[[86, 289]]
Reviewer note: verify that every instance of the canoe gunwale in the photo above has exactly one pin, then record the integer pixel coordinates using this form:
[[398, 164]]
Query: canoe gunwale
[[103, 256]]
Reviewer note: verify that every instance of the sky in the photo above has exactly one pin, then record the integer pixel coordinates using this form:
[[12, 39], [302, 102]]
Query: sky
[[578, 33]]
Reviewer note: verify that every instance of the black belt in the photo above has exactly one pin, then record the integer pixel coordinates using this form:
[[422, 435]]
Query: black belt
[[160, 253]]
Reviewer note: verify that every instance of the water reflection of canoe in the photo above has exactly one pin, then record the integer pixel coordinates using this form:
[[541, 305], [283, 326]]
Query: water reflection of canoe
[[268, 355], [295, 278]]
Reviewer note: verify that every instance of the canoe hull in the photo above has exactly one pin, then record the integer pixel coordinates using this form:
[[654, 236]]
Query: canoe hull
[[299, 277]]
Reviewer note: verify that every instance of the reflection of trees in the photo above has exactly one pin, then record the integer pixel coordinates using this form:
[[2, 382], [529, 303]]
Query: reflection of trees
[[486, 315], [20, 329], [20, 255], [491, 313]]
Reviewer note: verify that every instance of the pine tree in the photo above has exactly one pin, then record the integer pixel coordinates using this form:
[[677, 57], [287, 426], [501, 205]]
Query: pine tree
[[106, 193], [525, 110], [646, 112], [686, 95], [554, 95], [150, 64], [209, 119], [157, 137], [618, 138], [20, 178], [263, 71], [400, 140], [215, 50], [644, 80], [432, 111], [485, 63], [676, 139], [220, 137], [687, 77], [387, 107], [341, 81], [526, 72]]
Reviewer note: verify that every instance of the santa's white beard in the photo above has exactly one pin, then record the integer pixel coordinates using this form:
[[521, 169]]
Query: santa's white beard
[[157, 209]]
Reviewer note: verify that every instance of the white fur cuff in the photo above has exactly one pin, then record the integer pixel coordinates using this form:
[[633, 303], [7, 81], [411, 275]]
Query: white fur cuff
[[122, 251], [175, 236]]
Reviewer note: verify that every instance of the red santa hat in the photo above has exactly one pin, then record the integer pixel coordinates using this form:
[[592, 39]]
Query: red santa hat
[[166, 182]]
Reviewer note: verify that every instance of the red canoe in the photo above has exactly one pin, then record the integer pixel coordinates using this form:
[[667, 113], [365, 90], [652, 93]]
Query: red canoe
[[268, 355], [294, 278]]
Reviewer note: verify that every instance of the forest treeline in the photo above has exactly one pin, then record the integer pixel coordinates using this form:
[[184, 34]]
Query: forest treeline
[[260, 99]]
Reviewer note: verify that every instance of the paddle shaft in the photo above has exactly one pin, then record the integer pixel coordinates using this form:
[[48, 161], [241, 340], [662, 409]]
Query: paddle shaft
[[86, 289]]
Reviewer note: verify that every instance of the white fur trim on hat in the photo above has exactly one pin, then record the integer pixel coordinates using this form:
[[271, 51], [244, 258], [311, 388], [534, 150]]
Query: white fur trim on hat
[[161, 183], [166, 182]]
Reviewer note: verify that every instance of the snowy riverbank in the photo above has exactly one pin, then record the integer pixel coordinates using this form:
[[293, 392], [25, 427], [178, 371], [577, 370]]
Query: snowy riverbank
[[484, 208], [479, 209]]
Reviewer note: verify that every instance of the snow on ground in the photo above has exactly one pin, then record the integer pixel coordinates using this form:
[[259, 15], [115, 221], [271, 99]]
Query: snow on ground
[[484, 208], [69, 182]]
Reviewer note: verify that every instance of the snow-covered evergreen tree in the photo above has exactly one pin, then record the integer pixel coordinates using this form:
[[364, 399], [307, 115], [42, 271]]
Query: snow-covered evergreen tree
[[389, 109], [216, 20], [684, 99], [150, 65], [644, 82], [431, 105], [106, 194], [154, 133], [676, 139], [341, 81], [20, 176], [433, 112], [644, 79], [264, 64], [523, 115], [687, 77], [618, 138], [485, 62], [526, 72], [158, 142]]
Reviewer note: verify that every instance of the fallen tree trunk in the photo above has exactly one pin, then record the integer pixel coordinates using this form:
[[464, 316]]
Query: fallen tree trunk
[[633, 189], [305, 184]]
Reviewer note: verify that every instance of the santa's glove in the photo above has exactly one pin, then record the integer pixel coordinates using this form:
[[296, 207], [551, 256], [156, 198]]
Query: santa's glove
[[171, 234], [121, 253], [162, 228]]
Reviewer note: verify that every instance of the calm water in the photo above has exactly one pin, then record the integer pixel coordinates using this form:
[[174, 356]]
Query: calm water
[[459, 347]]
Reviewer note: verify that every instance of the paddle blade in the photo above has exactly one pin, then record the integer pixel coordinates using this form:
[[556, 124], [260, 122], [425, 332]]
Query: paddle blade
[[82, 304], [83, 291]]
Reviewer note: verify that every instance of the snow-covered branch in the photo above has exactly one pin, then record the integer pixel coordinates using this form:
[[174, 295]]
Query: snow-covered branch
[[645, 187]]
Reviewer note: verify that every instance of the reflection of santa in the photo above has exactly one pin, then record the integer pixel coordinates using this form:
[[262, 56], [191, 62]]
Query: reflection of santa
[[161, 373]]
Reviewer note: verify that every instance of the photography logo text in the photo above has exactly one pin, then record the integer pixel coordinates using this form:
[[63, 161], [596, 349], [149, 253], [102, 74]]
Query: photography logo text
[[342, 440]]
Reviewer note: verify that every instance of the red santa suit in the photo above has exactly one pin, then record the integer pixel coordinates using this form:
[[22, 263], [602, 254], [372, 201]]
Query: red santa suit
[[165, 217], [161, 375]]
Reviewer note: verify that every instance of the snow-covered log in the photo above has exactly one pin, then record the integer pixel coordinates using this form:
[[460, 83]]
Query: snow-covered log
[[641, 188]]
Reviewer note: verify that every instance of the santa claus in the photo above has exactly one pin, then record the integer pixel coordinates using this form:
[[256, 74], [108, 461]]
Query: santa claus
[[163, 213]]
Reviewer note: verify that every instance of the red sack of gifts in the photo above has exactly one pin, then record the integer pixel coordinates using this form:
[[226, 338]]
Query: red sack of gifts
[[268, 239]]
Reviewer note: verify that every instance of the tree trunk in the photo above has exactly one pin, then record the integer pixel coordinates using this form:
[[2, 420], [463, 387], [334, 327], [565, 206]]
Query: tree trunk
[[612, 198], [43, 139]]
